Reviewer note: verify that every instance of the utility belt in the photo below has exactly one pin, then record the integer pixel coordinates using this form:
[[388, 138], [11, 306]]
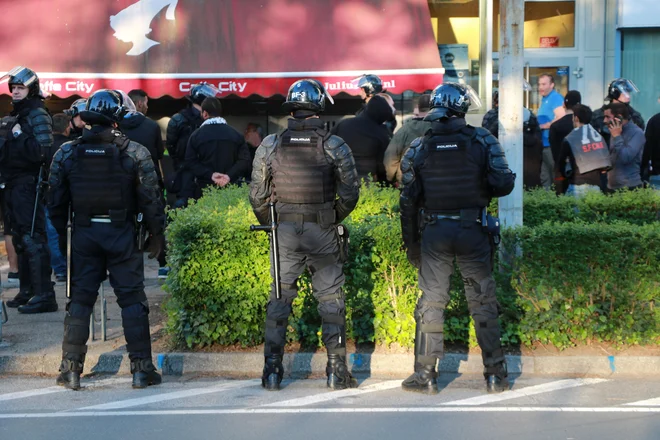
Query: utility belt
[[117, 217], [467, 217], [324, 218]]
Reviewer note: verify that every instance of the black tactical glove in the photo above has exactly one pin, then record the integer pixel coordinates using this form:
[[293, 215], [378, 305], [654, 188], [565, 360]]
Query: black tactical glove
[[156, 245], [414, 252]]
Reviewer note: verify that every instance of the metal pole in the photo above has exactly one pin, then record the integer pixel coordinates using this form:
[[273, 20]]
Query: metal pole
[[512, 20], [486, 53]]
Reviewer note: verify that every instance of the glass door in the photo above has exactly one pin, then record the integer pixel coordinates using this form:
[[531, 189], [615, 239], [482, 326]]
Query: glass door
[[564, 71]]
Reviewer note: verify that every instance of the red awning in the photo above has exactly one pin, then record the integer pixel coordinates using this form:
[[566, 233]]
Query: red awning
[[244, 47]]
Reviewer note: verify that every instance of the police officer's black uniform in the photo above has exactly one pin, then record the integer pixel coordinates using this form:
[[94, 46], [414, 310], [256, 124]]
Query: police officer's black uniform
[[179, 129], [449, 178], [21, 157], [106, 180], [313, 175], [76, 107]]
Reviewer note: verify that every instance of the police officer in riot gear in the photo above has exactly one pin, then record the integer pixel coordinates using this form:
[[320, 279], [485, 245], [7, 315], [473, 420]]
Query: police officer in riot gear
[[26, 137], [179, 129], [619, 90], [449, 178], [317, 187], [105, 180], [76, 124]]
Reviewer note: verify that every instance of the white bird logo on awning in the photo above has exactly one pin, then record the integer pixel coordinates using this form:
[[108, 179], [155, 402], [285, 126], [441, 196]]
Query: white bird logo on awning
[[133, 24]]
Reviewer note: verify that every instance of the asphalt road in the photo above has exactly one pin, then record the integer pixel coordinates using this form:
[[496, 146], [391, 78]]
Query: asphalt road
[[211, 408]]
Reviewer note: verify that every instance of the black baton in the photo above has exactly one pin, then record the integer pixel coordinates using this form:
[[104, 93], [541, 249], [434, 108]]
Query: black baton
[[274, 247]]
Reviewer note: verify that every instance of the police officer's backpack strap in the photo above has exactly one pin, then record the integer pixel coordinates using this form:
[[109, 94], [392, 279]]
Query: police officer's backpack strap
[[121, 140]]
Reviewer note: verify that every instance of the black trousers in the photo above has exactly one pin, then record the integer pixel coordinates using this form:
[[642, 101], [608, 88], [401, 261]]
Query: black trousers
[[443, 241], [308, 245], [34, 269], [98, 249]]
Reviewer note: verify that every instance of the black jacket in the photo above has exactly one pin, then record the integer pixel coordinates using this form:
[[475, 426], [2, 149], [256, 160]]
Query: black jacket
[[179, 130], [216, 147], [22, 156], [368, 138], [558, 131], [138, 128], [652, 147]]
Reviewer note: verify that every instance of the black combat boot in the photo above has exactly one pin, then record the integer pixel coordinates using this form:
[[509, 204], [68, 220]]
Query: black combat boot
[[21, 299], [339, 378], [70, 371], [273, 372], [496, 378], [144, 373], [43, 303], [423, 380]]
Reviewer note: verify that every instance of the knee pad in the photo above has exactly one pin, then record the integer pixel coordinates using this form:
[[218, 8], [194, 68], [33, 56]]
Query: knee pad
[[76, 332], [275, 336], [135, 320]]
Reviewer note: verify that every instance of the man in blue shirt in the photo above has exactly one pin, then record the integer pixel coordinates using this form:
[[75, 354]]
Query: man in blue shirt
[[551, 109]]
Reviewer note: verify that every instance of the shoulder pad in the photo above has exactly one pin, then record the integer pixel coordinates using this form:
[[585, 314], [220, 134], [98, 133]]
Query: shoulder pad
[[137, 151], [39, 115], [484, 137], [65, 151], [334, 142], [269, 141], [408, 161], [416, 143]]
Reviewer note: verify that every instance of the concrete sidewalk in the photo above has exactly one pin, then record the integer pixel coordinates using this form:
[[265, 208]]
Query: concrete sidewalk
[[31, 344]]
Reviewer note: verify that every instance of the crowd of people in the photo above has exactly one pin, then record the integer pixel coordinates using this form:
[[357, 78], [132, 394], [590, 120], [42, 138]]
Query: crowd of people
[[578, 150], [88, 182]]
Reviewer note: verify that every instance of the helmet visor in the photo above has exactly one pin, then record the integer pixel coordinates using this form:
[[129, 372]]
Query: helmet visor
[[207, 90], [19, 71], [626, 87], [127, 102], [475, 102]]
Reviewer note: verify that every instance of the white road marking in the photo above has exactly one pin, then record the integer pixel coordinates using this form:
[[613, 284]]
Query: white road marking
[[217, 388], [202, 412], [333, 395], [31, 393], [59, 389], [650, 402], [524, 392]]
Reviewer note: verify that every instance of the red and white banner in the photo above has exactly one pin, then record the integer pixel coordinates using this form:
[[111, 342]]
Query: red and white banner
[[245, 47]]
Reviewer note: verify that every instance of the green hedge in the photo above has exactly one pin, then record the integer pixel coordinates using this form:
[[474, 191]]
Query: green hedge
[[573, 281]]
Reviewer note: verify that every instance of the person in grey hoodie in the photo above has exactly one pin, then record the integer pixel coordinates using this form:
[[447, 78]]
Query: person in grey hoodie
[[626, 148], [411, 130]]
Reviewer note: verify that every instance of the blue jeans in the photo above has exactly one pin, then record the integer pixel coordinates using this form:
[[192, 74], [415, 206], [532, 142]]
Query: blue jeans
[[579, 191], [655, 182], [57, 261]]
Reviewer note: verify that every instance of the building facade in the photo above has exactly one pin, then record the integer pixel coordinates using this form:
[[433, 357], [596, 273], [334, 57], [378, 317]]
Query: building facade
[[584, 44]]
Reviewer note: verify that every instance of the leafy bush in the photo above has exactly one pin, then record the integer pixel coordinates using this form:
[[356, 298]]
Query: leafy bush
[[574, 281]]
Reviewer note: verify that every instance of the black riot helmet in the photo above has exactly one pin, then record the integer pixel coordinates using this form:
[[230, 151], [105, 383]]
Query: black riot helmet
[[25, 77], [199, 92], [452, 99], [104, 107], [619, 87], [78, 106], [371, 84], [308, 95]]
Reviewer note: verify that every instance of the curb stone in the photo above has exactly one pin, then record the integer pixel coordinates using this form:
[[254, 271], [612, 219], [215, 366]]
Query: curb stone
[[361, 364]]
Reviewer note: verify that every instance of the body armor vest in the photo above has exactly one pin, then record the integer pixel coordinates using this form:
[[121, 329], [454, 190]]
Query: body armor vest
[[301, 172], [589, 149], [102, 182], [453, 173]]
